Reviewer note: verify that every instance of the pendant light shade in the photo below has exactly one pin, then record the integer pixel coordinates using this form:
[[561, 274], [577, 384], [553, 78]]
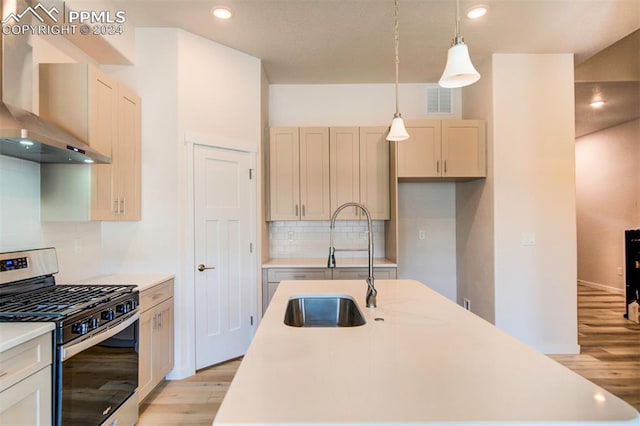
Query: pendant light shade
[[397, 131], [459, 71]]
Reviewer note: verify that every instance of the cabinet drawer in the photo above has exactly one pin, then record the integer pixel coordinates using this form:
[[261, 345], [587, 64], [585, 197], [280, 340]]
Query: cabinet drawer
[[277, 275], [363, 273], [24, 360], [154, 295]]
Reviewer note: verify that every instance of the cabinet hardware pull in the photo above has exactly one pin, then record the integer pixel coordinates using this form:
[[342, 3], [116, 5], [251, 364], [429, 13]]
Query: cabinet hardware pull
[[202, 268], [116, 203], [438, 166], [299, 277], [155, 321], [445, 167], [3, 373], [160, 318], [296, 210], [123, 205], [304, 213]]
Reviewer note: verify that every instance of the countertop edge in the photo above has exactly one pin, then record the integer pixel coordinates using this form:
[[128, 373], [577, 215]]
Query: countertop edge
[[13, 334]]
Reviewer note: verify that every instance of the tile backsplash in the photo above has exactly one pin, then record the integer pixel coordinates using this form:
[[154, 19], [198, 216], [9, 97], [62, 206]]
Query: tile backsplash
[[310, 239]]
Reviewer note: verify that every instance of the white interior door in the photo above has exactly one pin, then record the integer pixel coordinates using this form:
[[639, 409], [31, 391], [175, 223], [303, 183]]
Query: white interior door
[[225, 291]]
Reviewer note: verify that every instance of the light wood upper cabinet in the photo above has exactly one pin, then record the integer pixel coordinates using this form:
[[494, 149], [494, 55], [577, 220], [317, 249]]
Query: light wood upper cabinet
[[374, 171], [451, 149], [359, 163], [344, 164], [98, 110], [464, 148], [299, 174], [419, 155]]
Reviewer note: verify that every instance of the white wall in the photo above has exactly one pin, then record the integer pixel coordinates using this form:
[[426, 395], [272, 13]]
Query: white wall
[[534, 193], [189, 86], [475, 210], [348, 104], [608, 201], [428, 207]]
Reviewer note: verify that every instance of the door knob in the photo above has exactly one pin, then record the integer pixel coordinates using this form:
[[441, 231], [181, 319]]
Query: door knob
[[201, 267]]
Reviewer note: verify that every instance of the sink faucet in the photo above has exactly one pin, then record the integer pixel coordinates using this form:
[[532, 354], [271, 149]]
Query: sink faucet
[[371, 289]]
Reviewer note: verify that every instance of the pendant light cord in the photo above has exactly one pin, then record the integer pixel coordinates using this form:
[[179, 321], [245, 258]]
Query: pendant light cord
[[457, 38], [397, 50]]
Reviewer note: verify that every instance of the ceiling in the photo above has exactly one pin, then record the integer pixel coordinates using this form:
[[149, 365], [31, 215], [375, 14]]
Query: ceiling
[[352, 41]]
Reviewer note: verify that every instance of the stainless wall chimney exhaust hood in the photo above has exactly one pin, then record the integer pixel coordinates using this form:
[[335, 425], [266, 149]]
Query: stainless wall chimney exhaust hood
[[27, 136]]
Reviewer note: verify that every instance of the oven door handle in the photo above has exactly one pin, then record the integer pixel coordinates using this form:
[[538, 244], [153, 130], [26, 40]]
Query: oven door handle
[[76, 348]]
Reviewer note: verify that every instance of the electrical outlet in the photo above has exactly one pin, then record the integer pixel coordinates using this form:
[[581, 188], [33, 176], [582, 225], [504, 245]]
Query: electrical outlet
[[291, 235], [466, 303], [421, 234], [619, 270]]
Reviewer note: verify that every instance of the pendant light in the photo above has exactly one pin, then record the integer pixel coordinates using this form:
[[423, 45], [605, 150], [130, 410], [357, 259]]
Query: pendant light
[[397, 132], [459, 71]]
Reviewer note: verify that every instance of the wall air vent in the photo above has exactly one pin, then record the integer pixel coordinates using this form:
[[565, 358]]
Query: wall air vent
[[439, 100]]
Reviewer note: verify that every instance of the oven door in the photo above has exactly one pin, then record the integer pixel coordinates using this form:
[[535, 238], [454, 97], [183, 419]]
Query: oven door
[[99, 374]]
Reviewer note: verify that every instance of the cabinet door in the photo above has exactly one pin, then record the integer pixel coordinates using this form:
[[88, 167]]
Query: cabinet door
[[128, 156], [284, 174], [163, 340], [344, 167], [103, 117], [314, 174], [28, 402], [419, 156], [374, 171], [145, 379], [463, 148]]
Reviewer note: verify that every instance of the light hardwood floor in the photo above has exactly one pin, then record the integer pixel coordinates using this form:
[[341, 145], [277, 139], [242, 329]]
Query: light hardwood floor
[[610, 357], [609, 345]]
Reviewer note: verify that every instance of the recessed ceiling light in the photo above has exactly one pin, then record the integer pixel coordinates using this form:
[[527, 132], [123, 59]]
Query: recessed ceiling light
[[598, 103], [477, 11], [222, 12]]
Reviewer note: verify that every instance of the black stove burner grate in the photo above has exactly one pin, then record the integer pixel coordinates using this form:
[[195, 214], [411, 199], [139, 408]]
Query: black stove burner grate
[[59, 300]]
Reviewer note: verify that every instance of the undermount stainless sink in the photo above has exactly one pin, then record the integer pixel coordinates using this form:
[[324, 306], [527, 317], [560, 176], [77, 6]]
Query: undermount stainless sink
[[320, 310]]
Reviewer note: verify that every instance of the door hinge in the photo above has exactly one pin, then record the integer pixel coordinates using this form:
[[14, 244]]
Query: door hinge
[[251, 319], [250, 247], [250, 174]]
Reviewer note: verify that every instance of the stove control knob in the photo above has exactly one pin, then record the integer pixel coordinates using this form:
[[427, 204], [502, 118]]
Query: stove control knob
[[93, 323], [80, 328], [123, 308], [108, 315]]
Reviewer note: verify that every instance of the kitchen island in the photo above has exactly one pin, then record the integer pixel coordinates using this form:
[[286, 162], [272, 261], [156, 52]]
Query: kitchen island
[[418, 359]]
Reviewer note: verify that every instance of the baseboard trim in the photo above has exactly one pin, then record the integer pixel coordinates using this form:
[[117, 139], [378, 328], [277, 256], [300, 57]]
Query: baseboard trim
[[558, 349], [602, 287]]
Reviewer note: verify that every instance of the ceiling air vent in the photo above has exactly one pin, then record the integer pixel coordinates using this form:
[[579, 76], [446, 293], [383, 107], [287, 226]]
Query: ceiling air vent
[[439, 100]]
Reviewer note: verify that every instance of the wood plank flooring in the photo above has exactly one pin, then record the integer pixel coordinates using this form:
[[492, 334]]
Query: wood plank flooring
[[610, 357], [609, 345]]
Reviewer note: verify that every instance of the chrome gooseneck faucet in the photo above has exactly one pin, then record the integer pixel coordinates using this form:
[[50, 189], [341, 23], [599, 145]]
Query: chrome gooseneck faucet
[[371, 289]]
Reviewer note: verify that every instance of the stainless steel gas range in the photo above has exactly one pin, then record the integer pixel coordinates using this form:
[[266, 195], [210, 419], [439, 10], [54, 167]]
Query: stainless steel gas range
[[95, 374]]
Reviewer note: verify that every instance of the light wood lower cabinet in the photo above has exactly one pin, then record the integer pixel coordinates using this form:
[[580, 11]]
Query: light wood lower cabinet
[[271, 277], [156, 337], [25, 383]]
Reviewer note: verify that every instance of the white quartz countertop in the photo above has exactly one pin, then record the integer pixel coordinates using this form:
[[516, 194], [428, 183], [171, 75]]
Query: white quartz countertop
[[13, 334], [322, 263], [428, 362], [143, 281]]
